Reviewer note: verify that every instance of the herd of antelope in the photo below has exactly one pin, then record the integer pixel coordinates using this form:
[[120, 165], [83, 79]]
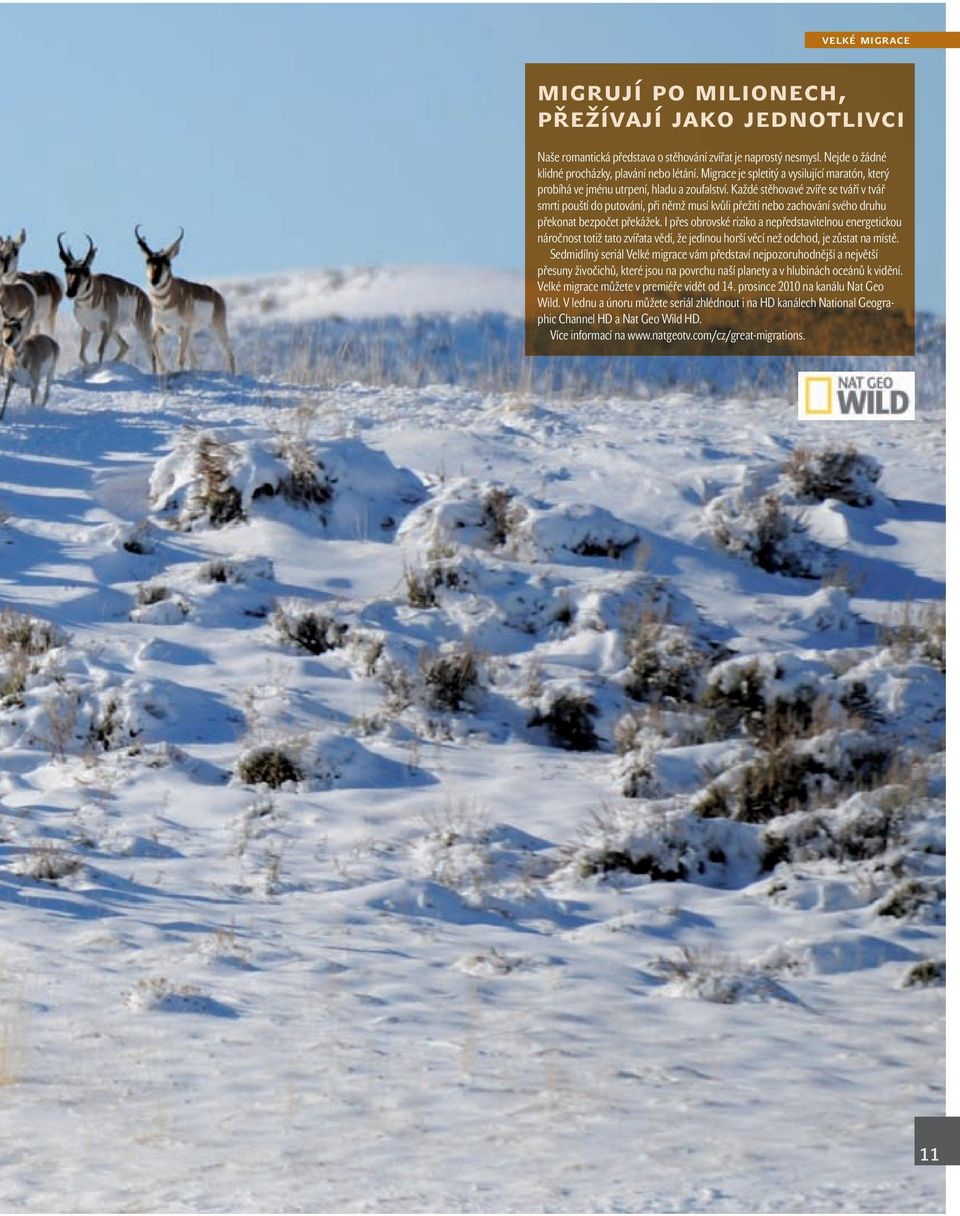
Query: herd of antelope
[[102, 304]]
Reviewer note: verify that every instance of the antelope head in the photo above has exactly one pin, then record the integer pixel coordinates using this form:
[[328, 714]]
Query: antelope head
[[77, 269], [12, 332], [158, 260], [10, 254]]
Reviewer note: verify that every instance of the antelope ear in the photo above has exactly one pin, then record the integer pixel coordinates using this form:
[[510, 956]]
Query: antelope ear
[[21, 238]]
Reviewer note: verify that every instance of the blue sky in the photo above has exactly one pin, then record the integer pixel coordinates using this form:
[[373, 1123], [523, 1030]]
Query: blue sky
[[324, 135]]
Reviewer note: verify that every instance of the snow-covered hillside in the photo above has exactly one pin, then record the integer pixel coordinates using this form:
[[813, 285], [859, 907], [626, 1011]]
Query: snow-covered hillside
[[460, 796], [364, 292], [419, 325]]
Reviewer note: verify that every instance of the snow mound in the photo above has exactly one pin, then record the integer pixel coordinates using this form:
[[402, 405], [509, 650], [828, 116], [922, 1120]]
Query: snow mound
[[849, 952], [661, 842], [215, 478], [722, 981], [211, 478], [766, 532], [492, 516], [326, 761], [161, 995], [372, 495], [66, 703], [826, 611], [489, 964]]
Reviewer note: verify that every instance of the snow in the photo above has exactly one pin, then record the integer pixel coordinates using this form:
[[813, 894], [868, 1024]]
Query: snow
[[449, 962]]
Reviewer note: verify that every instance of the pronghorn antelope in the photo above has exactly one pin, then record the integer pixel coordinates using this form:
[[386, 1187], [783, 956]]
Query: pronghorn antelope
[[27, 360], [18, 300], [46, 286], [104, 304], [180, 306]]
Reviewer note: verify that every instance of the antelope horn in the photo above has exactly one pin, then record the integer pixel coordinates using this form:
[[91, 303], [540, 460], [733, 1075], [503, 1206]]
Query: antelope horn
[[141, 242], [90, 250], [65, 255], [173, 248]]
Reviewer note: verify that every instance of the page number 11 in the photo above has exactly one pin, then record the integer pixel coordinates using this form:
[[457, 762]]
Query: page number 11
[[936, 1140]]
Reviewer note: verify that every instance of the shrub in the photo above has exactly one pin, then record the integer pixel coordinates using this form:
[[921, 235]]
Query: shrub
[[856, 832], [774, 530], [421, 587], [842, 473], [858, 702], [500, 514], [151, 593], [856, 759], [13, 681], [664, 664], [568, 718], [449, 678], [138, 541], [26, 635], [678, 727], [22, 639], [931, 973], [724, 981], [933, 647], [628, 733], [422, 582], [215, 572], [370, 651], [638, 772], [454, 849], [398, 684], [216, 497], [914, 898], [775, 783], [49, 863], [592, 548], [736, 697], [312, 631], [307, 482], [564, 613], [767, 535], [919, 632], [629, 863], [870, 833], [624, 840], [712, 803], [795, 774], [158, 994], [270, 766], [105, 725], [792, 716], [236, 570], [62, 713], [158, 605]]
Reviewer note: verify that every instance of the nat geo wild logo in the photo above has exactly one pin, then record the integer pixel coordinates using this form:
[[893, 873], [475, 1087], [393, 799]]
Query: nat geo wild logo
[[856, 396]]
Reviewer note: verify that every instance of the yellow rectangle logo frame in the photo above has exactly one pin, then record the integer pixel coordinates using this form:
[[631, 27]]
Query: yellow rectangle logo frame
[[825, 394]]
